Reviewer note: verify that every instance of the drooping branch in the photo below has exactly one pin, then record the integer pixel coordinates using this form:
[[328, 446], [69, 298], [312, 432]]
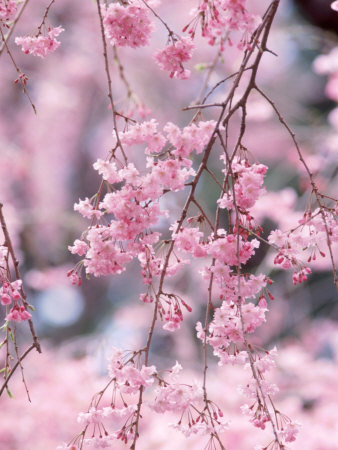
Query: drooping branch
[[10, 336]]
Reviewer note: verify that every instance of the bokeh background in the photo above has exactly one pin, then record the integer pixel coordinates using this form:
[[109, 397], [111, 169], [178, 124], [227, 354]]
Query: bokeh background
[[46, 165]]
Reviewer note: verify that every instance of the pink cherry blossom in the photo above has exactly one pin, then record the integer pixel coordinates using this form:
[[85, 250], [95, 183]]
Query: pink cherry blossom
[[86, 209], [173, 56], [248, 186], [18, 314], [79, 248], [127, 26], [108, 170], [224, 249], [175, 397], [40, 45], [221, 17], [8, 9]]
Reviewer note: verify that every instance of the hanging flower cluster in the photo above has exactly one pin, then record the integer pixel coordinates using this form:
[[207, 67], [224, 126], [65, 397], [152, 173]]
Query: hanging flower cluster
[[40, 45]]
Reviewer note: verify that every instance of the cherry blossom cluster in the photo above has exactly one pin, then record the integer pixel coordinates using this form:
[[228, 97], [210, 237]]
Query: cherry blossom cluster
[[8, 10], [127, 25], [256, 409], [185, 399], [248, 185], [10, 292], [125, 215], [172, 57], [219, 18], [170, 395], [308, 241], [130, 209], [125, 379], [40, 45], [134, 207]]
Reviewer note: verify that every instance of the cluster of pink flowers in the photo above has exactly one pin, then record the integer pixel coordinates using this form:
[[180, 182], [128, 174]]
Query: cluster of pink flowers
[[121, 230], [130, 26], [288, 430], [135, 206], [248, 186], [40, 45], [8, 10], [188, 240], [10, 292], [175, 397], [170, 310], [226, 248], [172, 57], [127, 26], [225, 332], [184, 399], [193, 137], [18, 314], [307, 241], [220, 17], [96, 416], [128, 378]]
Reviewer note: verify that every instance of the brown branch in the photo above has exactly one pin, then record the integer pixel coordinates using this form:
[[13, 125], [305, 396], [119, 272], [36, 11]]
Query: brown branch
[[5, 384], [20, 365], [315, 190], [44, 18], [203, 213], [121, 72], [9, 34], [110, 92], [170, 32], [10, 247]]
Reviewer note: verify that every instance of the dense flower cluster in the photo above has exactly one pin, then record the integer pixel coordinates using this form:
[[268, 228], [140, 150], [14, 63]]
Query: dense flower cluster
[[40, 45], [248, 185], [10, 292], [127, 380], [135, 206], [7, 10], [173, 56], [121, 230], [127, 26], [221, 17], [308, 240]]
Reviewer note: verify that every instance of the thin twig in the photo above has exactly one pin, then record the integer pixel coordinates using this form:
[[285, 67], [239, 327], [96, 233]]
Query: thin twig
[[18, 71], [315, 190], [23, 356], [110, 92], [44, 18]]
